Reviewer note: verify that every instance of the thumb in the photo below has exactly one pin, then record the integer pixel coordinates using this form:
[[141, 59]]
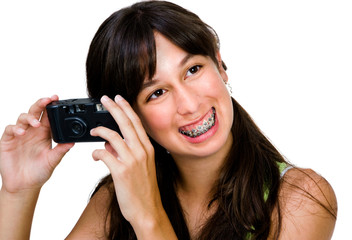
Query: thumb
[[58, 152]]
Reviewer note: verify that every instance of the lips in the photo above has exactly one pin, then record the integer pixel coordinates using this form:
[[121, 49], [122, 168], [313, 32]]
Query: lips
[[201, 127]]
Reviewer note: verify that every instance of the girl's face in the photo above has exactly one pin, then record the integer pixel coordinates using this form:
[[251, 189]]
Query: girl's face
[[186, 107]]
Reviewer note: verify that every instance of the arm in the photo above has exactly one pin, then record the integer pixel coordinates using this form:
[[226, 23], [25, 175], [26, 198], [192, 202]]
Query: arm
[[308, 206], [94, 221], [132, 166], [16, 213], [27, 161]]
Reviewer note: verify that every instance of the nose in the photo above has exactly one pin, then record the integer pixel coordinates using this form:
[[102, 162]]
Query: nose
[[187, 101]]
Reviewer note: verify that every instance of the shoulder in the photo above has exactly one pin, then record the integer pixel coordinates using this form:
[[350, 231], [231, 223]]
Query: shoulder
[[93, 222], [308, 186], [308, 205]]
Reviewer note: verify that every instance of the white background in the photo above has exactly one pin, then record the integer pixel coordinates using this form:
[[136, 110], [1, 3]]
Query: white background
[[290, 65]]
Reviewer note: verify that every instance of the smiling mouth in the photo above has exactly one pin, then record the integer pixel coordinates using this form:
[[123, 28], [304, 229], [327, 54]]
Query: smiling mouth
[[196, 130]]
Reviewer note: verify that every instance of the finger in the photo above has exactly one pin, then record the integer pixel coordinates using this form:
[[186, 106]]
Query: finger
[[114, 139], [133, 145], [26, 120], [11, 131], [54, 98], [140, 144], [110, 149], [110, 161], [132, 115], [58, 152], [44, 117], [125, 124], [39, 106]]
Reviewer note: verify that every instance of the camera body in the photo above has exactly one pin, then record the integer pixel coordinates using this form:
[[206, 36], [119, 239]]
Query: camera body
[[71, 120]]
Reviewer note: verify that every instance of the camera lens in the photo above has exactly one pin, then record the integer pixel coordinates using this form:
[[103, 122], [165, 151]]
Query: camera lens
[[78, 128]]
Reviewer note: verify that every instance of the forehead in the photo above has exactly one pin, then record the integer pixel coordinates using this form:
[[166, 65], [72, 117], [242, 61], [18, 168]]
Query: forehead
[[167, 54], [164, 48], [168, 58]]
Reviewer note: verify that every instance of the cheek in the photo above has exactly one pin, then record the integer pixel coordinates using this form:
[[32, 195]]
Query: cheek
[[156, 121], [214, 86]]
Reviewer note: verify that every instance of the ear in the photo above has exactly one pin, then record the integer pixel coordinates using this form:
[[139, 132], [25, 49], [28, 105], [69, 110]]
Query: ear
[[222, 67]]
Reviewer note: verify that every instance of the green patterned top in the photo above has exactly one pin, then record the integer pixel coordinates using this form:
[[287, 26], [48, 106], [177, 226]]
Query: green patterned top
[[283, 167]]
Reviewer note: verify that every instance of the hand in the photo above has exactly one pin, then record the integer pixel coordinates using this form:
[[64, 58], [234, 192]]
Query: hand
[[131, 163], [27, 158]]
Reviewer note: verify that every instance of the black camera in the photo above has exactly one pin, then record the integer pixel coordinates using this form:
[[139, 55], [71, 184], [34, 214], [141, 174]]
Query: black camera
[[71, 120]]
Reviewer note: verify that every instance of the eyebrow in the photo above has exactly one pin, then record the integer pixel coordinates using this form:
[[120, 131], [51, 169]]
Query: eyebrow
[[151, 82], [148, 83], [185, 59]]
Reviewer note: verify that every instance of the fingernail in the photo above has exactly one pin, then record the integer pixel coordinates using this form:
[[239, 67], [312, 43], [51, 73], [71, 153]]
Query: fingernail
[[118, 98], [92, 131], [35, 122], [104, 98], [20, 131]]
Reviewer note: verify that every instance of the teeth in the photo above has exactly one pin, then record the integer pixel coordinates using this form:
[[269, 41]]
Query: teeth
[[201, 129]]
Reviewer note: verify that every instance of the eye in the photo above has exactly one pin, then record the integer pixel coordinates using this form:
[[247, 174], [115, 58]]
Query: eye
[[156, 94], [193, 70]]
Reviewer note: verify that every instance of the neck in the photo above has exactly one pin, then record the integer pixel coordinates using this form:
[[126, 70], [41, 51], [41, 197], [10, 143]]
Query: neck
[[198, 178], [199, 175]]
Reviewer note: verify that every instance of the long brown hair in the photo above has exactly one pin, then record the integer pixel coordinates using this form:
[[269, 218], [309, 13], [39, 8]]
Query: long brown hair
[[121, 56]]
